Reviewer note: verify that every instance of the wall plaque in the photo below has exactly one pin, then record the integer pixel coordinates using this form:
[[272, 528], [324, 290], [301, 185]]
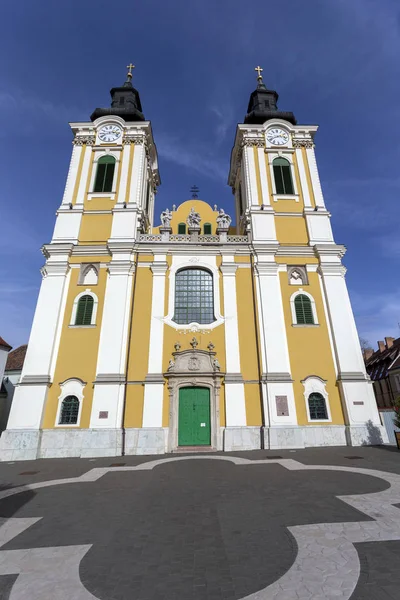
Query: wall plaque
[[282, 408], [103, 414]]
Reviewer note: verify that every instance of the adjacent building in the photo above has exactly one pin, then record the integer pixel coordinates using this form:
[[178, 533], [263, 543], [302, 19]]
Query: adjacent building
[[193, 334]]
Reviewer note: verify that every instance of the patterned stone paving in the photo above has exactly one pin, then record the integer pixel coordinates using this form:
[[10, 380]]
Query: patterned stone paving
[[250, 527]]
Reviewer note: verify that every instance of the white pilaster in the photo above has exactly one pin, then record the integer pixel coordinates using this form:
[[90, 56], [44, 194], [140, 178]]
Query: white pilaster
[[250, 179], [275, 353], [72, 174], [303, 178], [111, 361], [263, 177], [80, 197], [315, 180], [30, 396], [122, 190], [235, 406], [356, 389], [154, 384], [138, 172]]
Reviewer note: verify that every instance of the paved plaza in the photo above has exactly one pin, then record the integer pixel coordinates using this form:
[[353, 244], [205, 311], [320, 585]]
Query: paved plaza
[[316, 523]]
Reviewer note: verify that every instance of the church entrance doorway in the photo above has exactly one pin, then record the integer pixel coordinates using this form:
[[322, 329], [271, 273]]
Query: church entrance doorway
[[194, 424]]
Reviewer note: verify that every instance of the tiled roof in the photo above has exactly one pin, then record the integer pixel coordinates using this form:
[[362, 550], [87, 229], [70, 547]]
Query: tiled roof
[[378, 364], [16, 358], [3, 344]]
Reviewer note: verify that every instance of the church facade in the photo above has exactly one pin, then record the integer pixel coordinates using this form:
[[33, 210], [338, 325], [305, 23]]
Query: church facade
[[195, 334]]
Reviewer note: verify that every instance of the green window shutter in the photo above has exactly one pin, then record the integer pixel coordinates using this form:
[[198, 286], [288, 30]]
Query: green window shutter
[[104, 174], [283, 176], [303, 308], [108, 178], [101, 171], [287, 180], [280, 189], [181, 229], [207, 228], [84, 310]]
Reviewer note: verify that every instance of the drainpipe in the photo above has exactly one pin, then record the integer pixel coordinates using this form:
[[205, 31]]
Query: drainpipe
[[256, 326], [128, 352]]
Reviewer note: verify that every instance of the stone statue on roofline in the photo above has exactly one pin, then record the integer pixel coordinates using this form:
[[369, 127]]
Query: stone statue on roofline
[[223, 220], [193, 219], [166, 217]]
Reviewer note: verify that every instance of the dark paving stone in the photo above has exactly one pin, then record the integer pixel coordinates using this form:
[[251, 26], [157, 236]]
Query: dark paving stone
[[380, 575], [6, 584], [190, 529]]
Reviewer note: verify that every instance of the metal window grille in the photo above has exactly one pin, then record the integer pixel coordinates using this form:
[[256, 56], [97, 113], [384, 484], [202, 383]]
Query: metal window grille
[[283, 176], [317, 406], [69, 411], [84, 310], [303, 308], [194, 297]]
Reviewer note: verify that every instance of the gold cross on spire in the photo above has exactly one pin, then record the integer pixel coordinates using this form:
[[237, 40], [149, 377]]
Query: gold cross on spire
[[259, 71], [130, 67]]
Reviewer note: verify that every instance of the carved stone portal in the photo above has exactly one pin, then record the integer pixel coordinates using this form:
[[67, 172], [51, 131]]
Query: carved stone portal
[[194, 368]]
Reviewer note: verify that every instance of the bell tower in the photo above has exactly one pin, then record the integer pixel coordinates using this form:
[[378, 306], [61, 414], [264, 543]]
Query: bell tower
[[108, 202]]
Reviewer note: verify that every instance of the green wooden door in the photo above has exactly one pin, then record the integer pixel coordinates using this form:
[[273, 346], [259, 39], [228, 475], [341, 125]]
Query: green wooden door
[[194, 428]]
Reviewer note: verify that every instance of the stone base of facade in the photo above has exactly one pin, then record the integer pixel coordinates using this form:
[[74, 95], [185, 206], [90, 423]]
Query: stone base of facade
[[17, 444], [241, 438], [304, 437], [366, 435]]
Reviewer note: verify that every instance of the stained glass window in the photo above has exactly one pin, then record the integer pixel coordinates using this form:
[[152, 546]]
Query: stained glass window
[[69, 411], [194, 297], [317, 406]]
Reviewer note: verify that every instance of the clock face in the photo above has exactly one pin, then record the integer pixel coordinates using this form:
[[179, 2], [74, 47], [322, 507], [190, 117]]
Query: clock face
[[109, 133], [277, 137]]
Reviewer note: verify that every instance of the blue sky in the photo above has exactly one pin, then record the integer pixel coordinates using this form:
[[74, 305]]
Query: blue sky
[[335, 63]]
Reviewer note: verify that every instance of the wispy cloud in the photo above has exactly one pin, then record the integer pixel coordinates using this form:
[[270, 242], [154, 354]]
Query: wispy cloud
[[377, 314], [200, 160]]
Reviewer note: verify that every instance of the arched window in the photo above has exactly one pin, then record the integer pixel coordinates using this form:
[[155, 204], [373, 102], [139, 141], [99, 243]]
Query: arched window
[[317, 407], [89, 275], [283, 176], [303, 309], [84, 310], [207, 228], [194, 297], [181, 228], [104, 174], [69, 411]]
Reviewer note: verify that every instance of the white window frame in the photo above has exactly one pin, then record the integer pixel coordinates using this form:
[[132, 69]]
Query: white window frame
[[288, 155], [87, 292], [70, 387], [300, 292], [99, 153], [314, 384], [194, 262]]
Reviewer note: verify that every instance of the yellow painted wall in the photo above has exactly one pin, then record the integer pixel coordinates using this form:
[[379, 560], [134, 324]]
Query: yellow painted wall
[[78, 174], [310, 351], [139, 346], [95, 229], [77, 355], [291, 230], [288, 206], [208, 215]]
